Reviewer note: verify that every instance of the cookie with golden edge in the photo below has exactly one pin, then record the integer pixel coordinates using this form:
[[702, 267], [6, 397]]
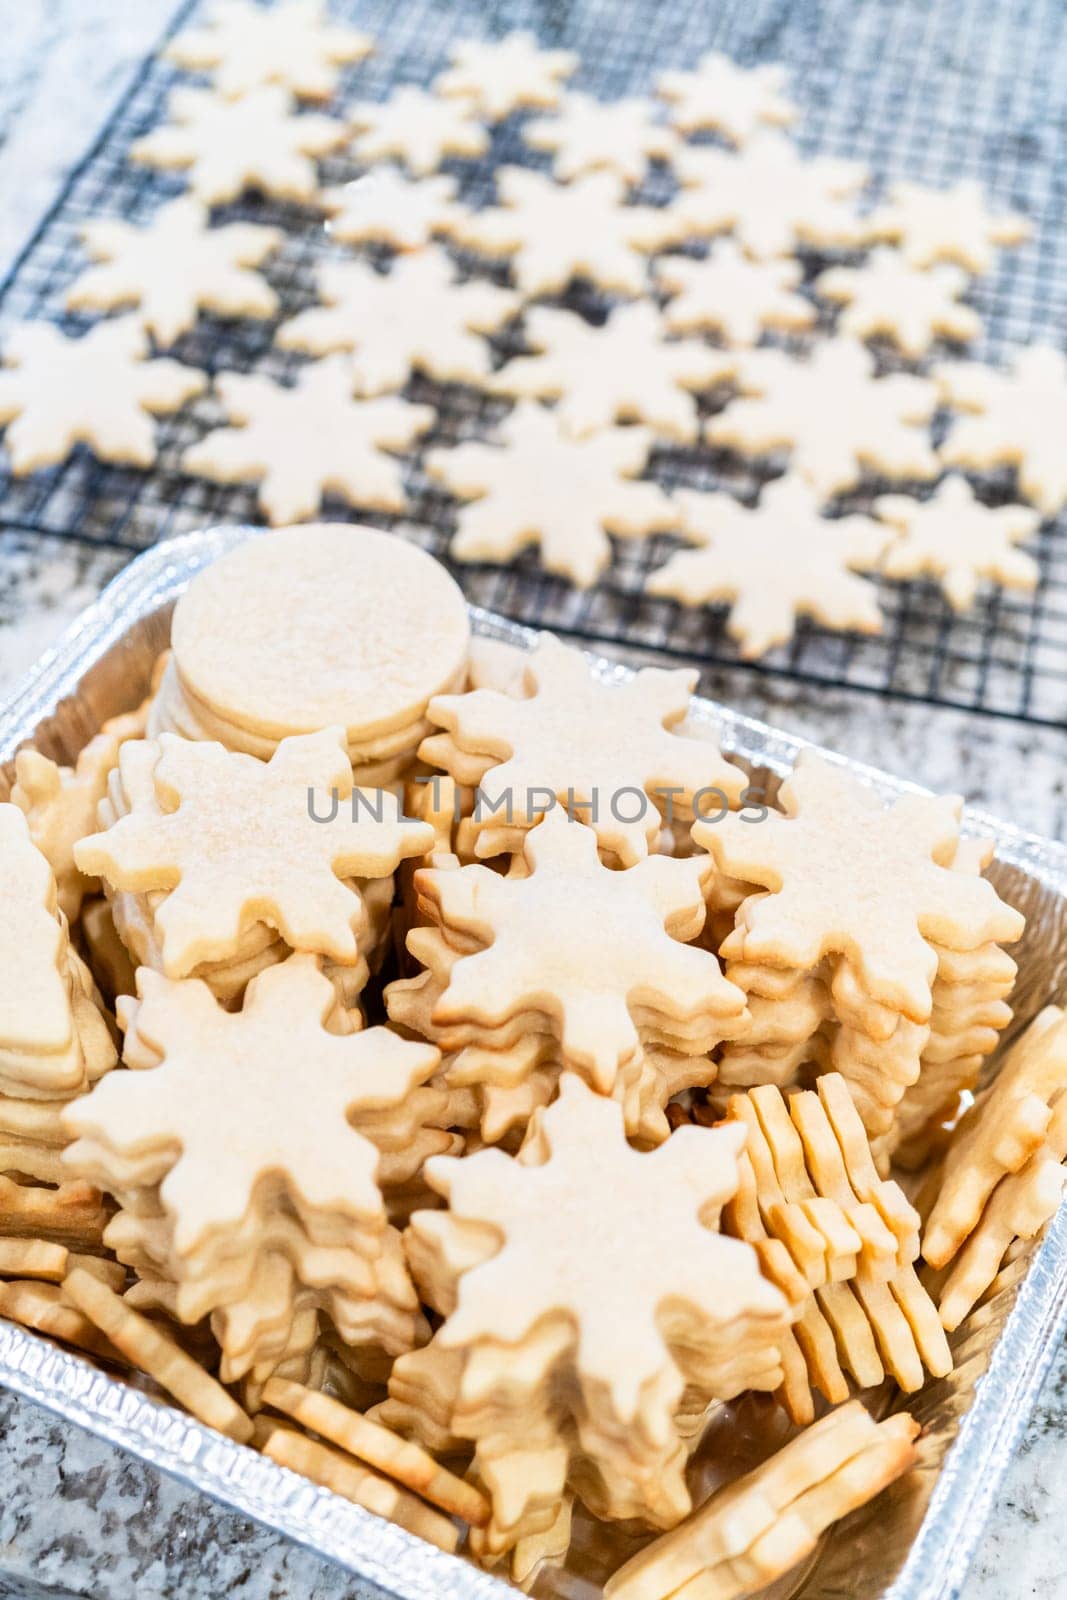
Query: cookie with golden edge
[[535, 484], [585, 956], [846, 875], [910, 306], [956, 540], [759, 1527], [418, 128], [590, 135], [831, 414], [227, 146], [1003, 1130], [499, 76], [576, 739], [236, 843], [335, 625], [1014, 419], [296, 45], [732, 100], [956, 224]]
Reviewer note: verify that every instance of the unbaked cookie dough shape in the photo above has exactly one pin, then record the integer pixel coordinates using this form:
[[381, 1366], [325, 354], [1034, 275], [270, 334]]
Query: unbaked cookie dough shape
[[498, 76], [553, 232], [244, 46], [626, 370], [227, 146], [297, 442], [175, 266], [319, 626], [536, 485], [98, 390], [418, 128], [774, 562], [731, 100], [418, 315]]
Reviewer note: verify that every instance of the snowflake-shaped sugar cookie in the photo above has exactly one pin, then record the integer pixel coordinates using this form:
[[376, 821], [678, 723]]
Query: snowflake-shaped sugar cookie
[[954, 538], [730, 294], [846, 875], [244, 46], [831, 413], [557, 1258], [580, 738], [587, 135], [1020, 420], [945, 225], [174, 267], [537, 485], [774, 562], [300, 442], [385, 206], [226, 146], [235, 842], [734, 101], [912, 306], [768, 195], [625, 370], [499, 76], [415, 316], [204, 1102], [584, 944], [56, 392], [418, 128], [554, 232]]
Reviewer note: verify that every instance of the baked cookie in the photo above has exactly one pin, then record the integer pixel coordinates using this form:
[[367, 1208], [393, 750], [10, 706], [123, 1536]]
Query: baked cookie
[[589, 135], [955, 539], [418, 128], [1019, 418], [910, 306], [294, 44], [728, 293], [734, 101], [385, 206], [945, 225], [499, 76]]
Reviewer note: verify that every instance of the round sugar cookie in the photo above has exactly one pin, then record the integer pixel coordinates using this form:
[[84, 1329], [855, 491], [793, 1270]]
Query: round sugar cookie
[[319, 625]]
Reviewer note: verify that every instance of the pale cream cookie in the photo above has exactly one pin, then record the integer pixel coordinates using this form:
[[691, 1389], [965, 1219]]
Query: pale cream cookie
[[831, 413], [174, 267], [728, 293], [945, 225], [56, 392], [227, 146], [499, 76], [298, 442], [954, 538], [418, 128], [416, 316], [295, 45], [734, 101], [536, 485], [774, 562], [385, 206], [555, 232], [587, 135], [769, 196], [1020, 420], [912, 306], [624, 371]]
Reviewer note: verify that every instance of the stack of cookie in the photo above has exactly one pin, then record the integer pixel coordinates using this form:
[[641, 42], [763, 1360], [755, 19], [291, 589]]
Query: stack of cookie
[[867, 940], [54, 1041], [247, 1153], [575, 1353], [839, 1240], [336, 626], [310, 867], [569, 965], [611, 751]]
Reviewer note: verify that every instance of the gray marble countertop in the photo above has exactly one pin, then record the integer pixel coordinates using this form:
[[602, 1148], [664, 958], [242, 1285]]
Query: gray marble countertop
[[78, 1519]]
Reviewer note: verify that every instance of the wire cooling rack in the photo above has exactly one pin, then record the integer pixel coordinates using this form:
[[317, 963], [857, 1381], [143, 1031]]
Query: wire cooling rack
[[966, 88]]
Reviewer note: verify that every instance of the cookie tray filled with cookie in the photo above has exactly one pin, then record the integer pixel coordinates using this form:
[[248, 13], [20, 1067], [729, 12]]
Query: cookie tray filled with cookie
[[915, 1539]]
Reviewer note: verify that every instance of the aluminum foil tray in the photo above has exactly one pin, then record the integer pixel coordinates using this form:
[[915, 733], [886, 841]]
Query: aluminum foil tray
[[917, 1540]]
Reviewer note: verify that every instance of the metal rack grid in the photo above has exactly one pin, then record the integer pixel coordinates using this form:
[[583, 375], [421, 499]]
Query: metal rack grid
[[969, 88]]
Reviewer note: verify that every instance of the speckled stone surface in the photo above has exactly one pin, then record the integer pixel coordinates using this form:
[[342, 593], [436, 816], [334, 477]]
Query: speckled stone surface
[[76, 1517]]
